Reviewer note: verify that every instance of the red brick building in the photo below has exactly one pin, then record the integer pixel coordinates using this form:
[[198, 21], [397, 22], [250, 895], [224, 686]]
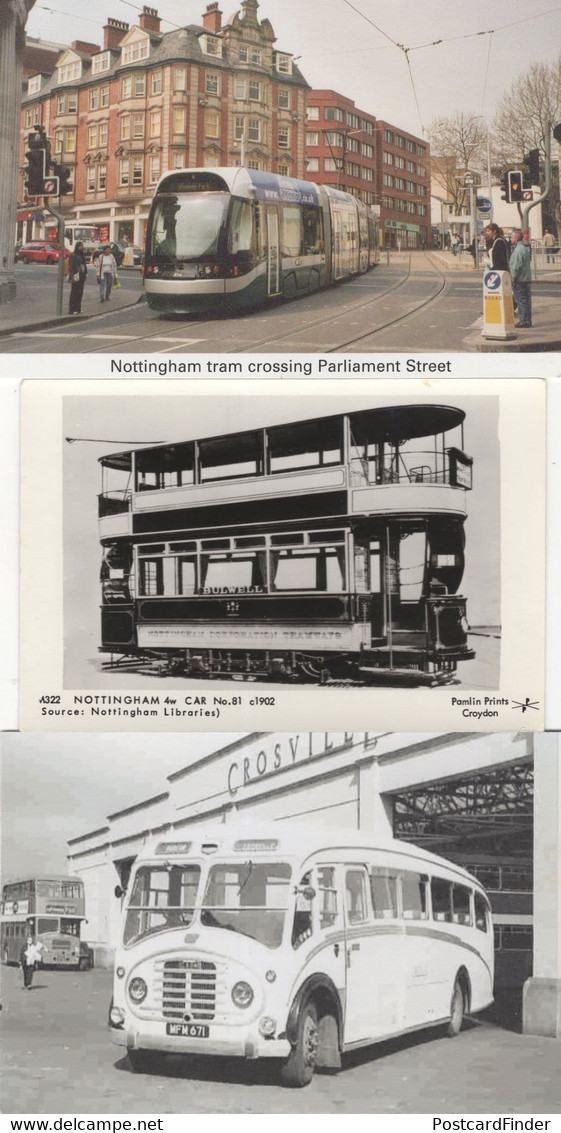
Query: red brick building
[[403, 187], [341, 145], [203, 95]]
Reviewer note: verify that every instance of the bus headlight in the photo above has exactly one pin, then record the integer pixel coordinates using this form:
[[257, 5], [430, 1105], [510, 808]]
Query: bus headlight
[[138, 989], [116, 1017], [242, 994], [120, 973], [267, 1026]]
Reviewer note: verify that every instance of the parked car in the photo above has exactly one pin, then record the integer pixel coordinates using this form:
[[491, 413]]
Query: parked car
[[40, 252], [118, 251]]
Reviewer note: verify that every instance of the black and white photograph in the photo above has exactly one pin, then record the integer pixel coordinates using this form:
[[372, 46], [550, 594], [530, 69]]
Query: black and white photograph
[[174, 175], [288, 922], [348, 549]]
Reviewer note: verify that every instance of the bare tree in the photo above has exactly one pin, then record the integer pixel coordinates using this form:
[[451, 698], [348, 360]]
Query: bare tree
[[457, 144]]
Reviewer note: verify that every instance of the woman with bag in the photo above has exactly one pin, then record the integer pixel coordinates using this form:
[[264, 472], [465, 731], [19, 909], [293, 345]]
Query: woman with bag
[[77, 272], [106, 273]]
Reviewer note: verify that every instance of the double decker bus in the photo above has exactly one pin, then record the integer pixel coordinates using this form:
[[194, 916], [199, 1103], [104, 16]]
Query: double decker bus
[[284, 942], [52, 910], [329, 549], [229, 239]]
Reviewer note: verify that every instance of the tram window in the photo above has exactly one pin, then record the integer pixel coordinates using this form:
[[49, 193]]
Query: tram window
[[413, 897], [441, 896], [375, 567], [383, 889], [412, 556], [186, 576], [312, 231], [47, 924], [289, 540], [250, 541], [326, 537], [327, 894], [356, 896], [151, 580], [169, 467], [320, 569], [227, 458], [187, 226], [311, 444], [233, 573], [183, 546], [481, 916], [461, 905], [291, 230], [240, 227]]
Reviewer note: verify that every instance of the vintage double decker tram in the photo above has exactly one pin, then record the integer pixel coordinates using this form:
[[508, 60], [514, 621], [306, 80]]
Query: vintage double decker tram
[[323, 549]]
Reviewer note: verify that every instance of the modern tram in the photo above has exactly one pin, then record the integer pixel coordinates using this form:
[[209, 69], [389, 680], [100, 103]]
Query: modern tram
[[227, 240], [323, 550]]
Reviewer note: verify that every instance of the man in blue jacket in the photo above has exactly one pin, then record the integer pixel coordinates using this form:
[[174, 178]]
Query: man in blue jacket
[[521, 272]]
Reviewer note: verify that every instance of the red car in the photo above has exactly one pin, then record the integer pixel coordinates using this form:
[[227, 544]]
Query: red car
[[40, 252]]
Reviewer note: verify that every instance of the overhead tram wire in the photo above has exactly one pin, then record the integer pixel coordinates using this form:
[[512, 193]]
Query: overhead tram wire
[[128, 3]]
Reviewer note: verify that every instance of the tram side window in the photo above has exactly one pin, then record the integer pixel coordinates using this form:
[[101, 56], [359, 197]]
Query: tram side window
[[383, 889], [186, 575], [312, 231], [413, 897], [314, 444], [461, 905], [441, 895], [240, 232], [291, 230], [311, 568], [356, 896], [481, 914], [151, 577], [234, 572]]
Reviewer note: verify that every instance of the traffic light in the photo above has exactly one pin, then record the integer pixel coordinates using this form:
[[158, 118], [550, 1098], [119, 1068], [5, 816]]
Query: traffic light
[[532, 161], [514, 185], [38, 156], [505, 193], [64, 174]]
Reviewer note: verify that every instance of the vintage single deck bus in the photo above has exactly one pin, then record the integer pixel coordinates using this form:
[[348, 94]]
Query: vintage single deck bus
[[294, 943], [52, 910]]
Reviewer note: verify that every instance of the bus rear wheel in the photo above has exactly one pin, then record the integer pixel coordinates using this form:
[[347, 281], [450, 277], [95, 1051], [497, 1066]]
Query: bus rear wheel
[[457, 1010], [299, 1067]]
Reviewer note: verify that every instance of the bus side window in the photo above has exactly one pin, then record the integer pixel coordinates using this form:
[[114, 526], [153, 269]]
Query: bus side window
[[383, 889], [481, 918], [327, 897], [356, 896], [461, 904], [302, 924], [441, 894], [413, 896]]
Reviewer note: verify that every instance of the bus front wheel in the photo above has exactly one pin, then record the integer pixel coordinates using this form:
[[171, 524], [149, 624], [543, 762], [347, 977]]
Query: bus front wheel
[[299, 1067], [457, 1010]]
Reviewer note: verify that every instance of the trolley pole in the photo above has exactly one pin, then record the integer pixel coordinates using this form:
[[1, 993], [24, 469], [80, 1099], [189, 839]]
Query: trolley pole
[[60, 275]]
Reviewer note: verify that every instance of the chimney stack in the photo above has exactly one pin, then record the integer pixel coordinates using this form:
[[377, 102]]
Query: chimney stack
[[113, 33], [149, 19], [85, 48], [212, 18]]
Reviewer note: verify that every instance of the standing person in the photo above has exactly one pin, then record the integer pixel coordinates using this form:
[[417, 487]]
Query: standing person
[[521, 272], [549, 244], [29, 957], [473, 252], [455, 244], [77, 272], [106, 273], [497, 247]]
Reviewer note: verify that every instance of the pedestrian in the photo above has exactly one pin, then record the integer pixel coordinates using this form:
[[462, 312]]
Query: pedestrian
[[521, 272], [77, 272], [106, 273], [473, 252], [455, 244], [549, 244], [30, 955], [497, 247]]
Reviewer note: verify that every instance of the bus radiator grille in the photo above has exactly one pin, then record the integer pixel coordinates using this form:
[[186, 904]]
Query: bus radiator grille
[[188, 991]]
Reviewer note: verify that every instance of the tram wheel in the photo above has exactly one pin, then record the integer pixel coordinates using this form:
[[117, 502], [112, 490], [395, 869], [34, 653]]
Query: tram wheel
[[298, 1070], [457, 1010]]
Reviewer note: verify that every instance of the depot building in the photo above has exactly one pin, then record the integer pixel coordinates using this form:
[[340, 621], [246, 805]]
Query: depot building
[[490, 802]]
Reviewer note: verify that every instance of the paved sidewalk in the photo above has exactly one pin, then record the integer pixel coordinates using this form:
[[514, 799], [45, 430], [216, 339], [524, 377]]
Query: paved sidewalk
[[35, 307], [544, 334]]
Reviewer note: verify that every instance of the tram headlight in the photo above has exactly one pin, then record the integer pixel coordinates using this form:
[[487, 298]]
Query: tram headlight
[[138, 989], [242, 994]]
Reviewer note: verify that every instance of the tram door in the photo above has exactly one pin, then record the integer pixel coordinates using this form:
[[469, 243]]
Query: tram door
[[273, 251], [377, 604]]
